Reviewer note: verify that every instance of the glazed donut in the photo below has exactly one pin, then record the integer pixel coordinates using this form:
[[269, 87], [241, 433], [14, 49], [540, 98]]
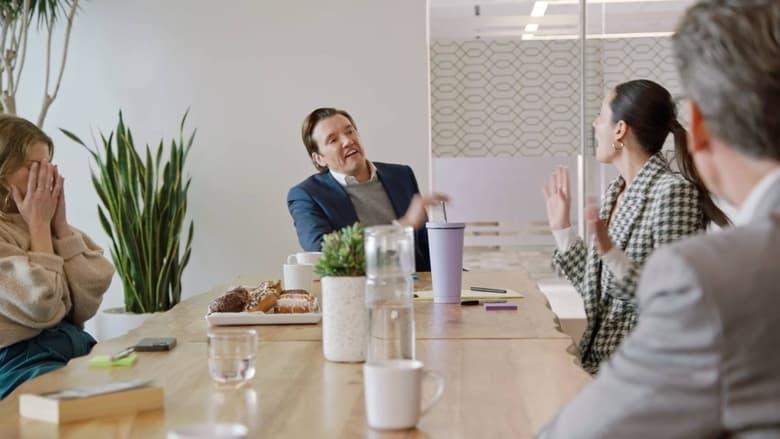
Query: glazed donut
[[295, 301], [264, 297]]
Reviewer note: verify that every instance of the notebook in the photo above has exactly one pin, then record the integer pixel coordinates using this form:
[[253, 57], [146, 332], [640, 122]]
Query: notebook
[[80, 403]]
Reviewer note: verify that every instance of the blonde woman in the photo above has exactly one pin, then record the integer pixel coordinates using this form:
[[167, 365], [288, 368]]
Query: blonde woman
[[52, 276]]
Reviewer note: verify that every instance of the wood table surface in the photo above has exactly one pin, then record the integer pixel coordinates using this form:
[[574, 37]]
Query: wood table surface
[[506, 374], [533, 318]]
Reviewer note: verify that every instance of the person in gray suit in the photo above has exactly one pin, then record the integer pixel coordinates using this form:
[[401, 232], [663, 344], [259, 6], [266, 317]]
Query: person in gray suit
[[704, 358]]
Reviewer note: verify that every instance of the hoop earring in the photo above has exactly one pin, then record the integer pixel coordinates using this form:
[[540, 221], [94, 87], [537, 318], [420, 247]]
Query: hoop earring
[[616, 148]]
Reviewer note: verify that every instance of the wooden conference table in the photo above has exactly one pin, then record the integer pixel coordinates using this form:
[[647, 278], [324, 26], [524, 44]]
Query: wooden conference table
[[507, 373]]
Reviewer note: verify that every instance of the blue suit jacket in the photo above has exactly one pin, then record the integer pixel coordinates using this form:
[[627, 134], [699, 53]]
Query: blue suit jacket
[[320, 205]]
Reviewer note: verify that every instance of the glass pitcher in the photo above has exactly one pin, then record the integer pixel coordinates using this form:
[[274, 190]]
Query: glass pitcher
[[389, 291]]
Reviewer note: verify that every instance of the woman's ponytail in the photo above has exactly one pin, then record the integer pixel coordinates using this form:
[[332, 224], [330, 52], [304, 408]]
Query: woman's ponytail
[[712, 212]]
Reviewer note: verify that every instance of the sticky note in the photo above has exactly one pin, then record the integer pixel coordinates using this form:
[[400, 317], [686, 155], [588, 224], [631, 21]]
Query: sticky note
[[500, 306], [104, 361]]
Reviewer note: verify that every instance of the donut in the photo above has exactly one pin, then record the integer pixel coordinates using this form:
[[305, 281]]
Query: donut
[[295, 301], [233, 301], [263, 298]]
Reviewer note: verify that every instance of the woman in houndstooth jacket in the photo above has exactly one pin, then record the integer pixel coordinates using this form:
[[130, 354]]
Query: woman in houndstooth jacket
[[645, 207]]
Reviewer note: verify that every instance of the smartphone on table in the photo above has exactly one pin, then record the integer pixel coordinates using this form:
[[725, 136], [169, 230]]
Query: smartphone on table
[[148, 344]]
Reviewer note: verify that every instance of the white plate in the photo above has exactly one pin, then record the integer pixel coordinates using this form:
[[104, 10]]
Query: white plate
[[259, 318]]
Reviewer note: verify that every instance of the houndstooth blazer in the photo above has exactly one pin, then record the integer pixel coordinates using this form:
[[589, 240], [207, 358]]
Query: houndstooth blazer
[[659, 207]]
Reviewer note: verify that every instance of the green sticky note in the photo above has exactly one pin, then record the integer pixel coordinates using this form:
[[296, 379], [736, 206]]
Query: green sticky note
[[104, 361]]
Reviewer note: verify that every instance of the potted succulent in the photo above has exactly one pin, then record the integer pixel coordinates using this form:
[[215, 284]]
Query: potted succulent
[[143, 204], [342, 268]]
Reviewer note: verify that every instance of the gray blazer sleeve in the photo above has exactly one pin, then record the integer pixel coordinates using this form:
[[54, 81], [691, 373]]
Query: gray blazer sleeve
[[664, 379]]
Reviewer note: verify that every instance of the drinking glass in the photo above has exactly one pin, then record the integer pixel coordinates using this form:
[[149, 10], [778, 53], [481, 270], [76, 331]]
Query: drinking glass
[[232, 355]]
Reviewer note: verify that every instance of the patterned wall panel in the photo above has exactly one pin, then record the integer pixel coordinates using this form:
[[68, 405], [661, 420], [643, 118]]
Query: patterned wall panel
[[521, 98], [637, 58]]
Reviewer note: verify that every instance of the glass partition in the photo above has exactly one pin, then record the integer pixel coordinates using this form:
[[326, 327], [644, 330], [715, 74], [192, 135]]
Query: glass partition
[[515, 87]]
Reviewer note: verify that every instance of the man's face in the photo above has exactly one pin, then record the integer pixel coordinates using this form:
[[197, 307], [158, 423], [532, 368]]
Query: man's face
[[339, 145]]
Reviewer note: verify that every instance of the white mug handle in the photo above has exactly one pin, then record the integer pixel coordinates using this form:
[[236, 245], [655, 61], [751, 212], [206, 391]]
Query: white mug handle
[[292, 259], [439, 389]]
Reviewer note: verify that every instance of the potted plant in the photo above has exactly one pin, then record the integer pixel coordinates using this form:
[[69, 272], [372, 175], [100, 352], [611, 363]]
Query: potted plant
[[143, 204], [342, 268]]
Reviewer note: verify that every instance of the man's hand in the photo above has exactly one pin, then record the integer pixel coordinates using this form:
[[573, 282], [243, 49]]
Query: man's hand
[[416, 215]]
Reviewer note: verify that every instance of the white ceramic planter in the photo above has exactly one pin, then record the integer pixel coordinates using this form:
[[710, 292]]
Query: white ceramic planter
[[344, 319], [115, 322]]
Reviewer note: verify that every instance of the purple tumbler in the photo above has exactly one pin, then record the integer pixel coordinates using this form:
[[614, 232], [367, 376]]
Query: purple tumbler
[[445, 241]]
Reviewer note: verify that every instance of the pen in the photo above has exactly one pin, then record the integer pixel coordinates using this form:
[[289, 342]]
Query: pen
[[480, 302], [488, 290], [122, 354]]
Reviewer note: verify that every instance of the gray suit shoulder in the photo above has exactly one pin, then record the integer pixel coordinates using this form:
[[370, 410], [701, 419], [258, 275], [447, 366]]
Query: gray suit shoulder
[[733, 273], [727, 251]]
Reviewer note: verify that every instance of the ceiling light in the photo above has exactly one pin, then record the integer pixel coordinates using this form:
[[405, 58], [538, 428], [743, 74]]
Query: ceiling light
[[539, 9], [531, 27], [528, 36]]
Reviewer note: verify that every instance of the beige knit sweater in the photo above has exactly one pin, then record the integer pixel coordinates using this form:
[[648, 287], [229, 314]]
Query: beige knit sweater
[[39, 290]]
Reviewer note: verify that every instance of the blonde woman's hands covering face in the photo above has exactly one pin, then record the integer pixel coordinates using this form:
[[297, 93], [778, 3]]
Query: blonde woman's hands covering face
[[39, 204], [59, 224]]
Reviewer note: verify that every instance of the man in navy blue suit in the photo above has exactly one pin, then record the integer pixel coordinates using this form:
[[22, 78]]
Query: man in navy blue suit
[[350, 188]]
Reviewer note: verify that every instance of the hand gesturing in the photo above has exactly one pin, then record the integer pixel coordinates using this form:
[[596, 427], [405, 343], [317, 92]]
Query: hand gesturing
[[558, 199], [599, 229]]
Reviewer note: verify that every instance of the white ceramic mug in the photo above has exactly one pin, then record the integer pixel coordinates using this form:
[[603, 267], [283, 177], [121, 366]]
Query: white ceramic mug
[[393, 389], [310, 258], [298, 277]]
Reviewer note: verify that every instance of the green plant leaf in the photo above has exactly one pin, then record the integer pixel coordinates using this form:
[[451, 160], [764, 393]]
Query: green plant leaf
[[142, 210], [343, 253]]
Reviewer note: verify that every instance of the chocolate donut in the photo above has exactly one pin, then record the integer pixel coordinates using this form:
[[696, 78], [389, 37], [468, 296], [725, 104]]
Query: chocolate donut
[[233, 301]]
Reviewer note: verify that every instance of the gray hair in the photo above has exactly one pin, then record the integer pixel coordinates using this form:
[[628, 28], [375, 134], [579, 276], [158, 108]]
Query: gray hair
[[728, 56]]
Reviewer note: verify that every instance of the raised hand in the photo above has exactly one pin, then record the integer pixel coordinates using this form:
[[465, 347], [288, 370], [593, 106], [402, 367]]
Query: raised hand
[[416, 215], [599, 228], [38, 205], [558, 200]]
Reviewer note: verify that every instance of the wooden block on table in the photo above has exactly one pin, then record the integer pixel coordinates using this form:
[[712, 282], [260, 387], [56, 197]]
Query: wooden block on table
[[42, 408]]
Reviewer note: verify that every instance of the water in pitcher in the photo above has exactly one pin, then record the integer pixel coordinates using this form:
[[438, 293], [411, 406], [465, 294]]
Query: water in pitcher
[[390, 317]]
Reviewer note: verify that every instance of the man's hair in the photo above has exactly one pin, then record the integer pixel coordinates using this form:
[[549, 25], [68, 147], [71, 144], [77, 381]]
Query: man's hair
[[310, 122], [728, 56]]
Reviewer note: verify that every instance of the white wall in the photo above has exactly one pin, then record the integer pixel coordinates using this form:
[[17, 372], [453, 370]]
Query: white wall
[[250, 71]]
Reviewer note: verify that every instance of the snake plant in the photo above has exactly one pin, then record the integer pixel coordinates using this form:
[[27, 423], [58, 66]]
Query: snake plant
[[143, 204]]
